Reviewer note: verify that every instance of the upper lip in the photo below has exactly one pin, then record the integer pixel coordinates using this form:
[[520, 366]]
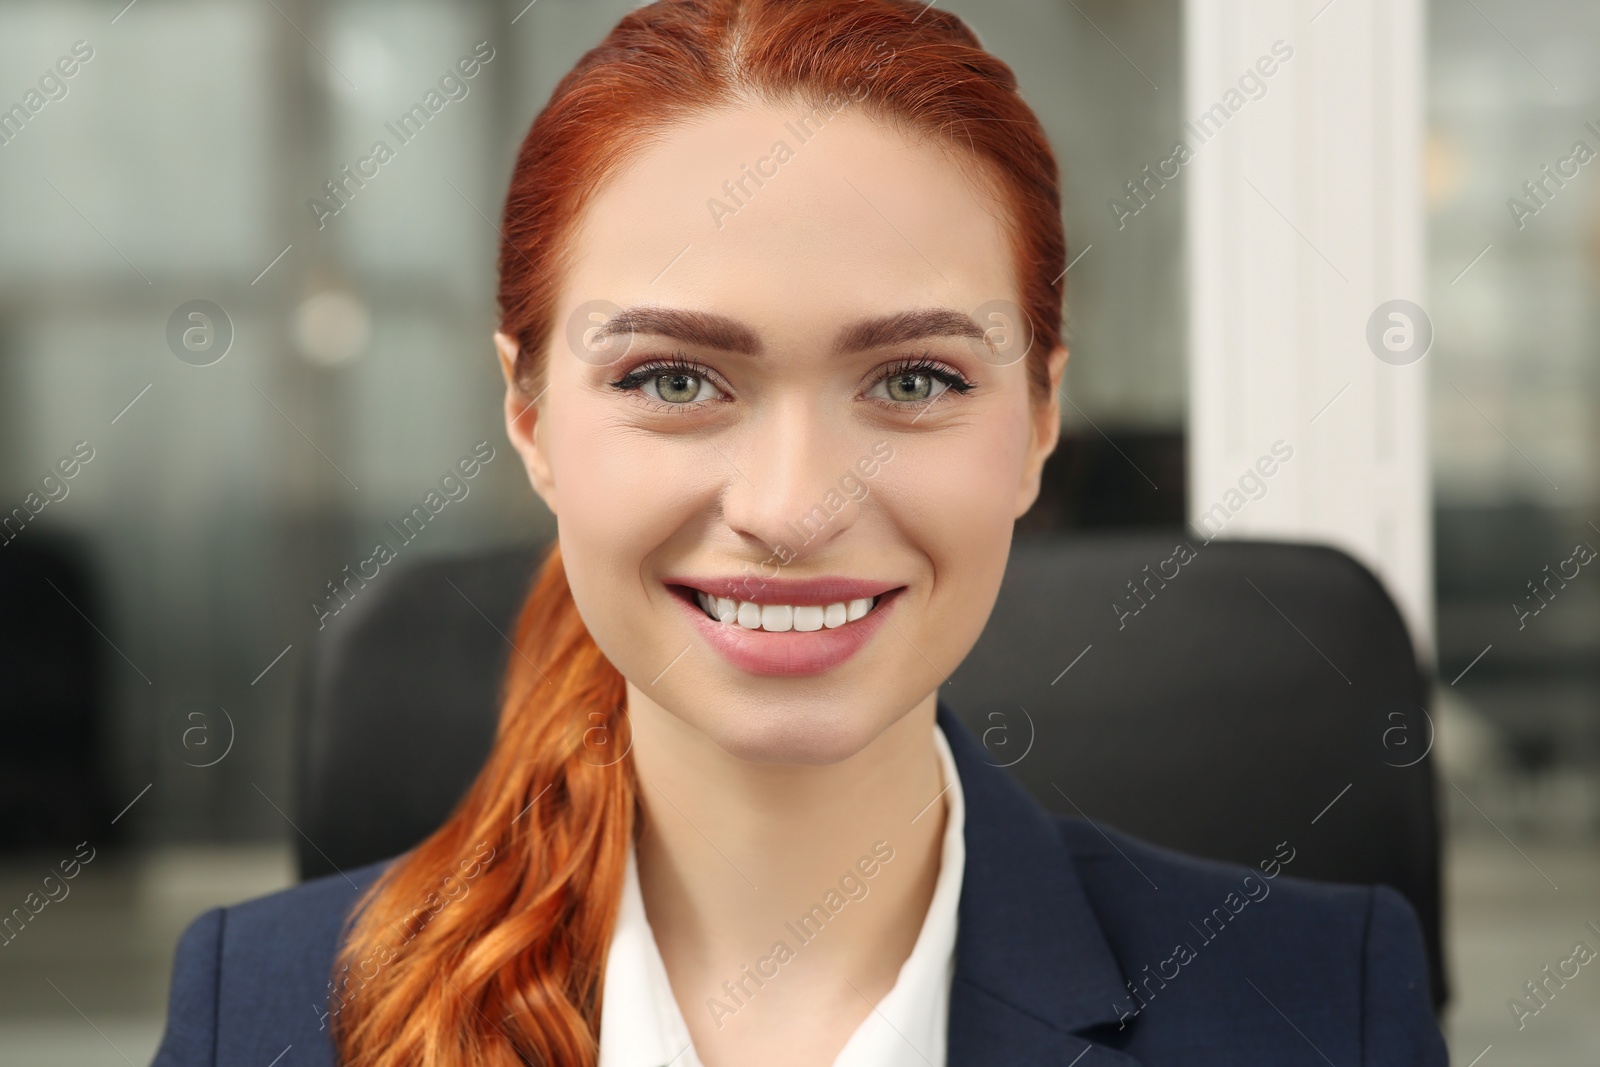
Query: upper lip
[[756, 589]]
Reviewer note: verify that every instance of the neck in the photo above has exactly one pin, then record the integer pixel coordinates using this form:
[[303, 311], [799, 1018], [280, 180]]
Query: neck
[[737, 857]]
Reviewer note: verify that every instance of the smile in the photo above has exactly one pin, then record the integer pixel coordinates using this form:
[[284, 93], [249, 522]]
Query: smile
[[792, 627], [777, 618]]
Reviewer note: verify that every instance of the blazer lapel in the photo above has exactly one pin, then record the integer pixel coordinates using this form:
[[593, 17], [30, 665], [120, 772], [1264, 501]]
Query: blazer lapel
[[1033, 967]]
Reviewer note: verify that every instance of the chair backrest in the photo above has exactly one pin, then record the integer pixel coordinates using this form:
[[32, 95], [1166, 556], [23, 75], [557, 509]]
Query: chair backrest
[[1218, 698], [55, 763], [398, 703]]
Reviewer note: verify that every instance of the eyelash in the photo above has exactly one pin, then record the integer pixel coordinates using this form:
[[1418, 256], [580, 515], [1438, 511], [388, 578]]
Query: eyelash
[[922, 364], [634, 380]]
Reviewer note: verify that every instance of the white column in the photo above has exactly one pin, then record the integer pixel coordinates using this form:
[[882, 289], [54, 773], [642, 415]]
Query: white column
[[1305, 215]]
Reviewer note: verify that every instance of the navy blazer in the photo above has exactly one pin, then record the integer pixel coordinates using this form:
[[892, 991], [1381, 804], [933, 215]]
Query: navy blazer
[[1076, 945]]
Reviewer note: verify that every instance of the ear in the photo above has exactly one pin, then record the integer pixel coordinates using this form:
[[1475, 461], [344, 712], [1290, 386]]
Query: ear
[[1043, 434], [522, 423]]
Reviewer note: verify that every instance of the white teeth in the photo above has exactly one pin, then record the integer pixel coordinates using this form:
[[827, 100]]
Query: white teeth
[[778, 618]]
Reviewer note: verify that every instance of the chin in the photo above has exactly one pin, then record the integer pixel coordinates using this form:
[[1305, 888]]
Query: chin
[[798, 733]]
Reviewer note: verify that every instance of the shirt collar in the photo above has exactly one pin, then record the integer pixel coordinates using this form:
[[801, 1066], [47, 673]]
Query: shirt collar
[[641, 1024], [911, 1023]]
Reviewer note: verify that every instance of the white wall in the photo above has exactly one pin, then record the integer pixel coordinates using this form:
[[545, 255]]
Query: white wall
[[1305, 214]]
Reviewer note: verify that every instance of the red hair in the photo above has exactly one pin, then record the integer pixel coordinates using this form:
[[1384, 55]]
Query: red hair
[[510, 970]]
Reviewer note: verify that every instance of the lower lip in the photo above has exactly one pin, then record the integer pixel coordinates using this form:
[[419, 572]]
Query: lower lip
[[791, 652]]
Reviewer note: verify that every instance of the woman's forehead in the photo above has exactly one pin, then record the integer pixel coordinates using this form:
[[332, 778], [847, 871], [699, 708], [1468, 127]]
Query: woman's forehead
[[755, 204]]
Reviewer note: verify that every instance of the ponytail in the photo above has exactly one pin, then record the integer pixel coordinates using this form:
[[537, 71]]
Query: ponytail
[[486, 944]]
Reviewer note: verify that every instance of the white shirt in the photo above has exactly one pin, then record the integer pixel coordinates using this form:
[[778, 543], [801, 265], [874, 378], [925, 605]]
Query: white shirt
[[642, 1026]]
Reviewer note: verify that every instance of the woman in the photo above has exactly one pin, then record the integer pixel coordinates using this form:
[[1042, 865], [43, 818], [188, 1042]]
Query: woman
[[781, 332]]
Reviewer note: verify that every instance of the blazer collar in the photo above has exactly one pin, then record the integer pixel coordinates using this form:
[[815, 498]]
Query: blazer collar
[[1033, 967]]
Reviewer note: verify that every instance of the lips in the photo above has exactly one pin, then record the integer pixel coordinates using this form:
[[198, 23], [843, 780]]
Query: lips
[[758, 590], [790, 652]]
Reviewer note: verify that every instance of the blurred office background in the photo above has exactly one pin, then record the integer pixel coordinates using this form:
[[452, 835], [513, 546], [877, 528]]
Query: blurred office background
[[147, 685]]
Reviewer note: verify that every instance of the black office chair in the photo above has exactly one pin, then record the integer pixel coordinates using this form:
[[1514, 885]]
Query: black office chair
[[55, 765], [1218, 700]]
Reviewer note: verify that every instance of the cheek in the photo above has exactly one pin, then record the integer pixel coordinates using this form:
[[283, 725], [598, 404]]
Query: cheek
[[621, 496], [954, 497], [963, 483], [954, 489]]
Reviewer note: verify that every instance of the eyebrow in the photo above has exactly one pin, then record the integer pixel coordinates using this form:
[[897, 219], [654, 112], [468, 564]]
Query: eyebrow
[[709, 330], [906, 326]]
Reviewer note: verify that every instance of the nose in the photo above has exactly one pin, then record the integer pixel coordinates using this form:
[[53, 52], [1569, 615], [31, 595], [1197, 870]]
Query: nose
[[794, 485]]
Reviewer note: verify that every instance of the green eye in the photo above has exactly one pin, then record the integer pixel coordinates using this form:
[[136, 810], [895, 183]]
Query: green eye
[[918, 381], [911, 388], [676, 387], [675, 381]]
